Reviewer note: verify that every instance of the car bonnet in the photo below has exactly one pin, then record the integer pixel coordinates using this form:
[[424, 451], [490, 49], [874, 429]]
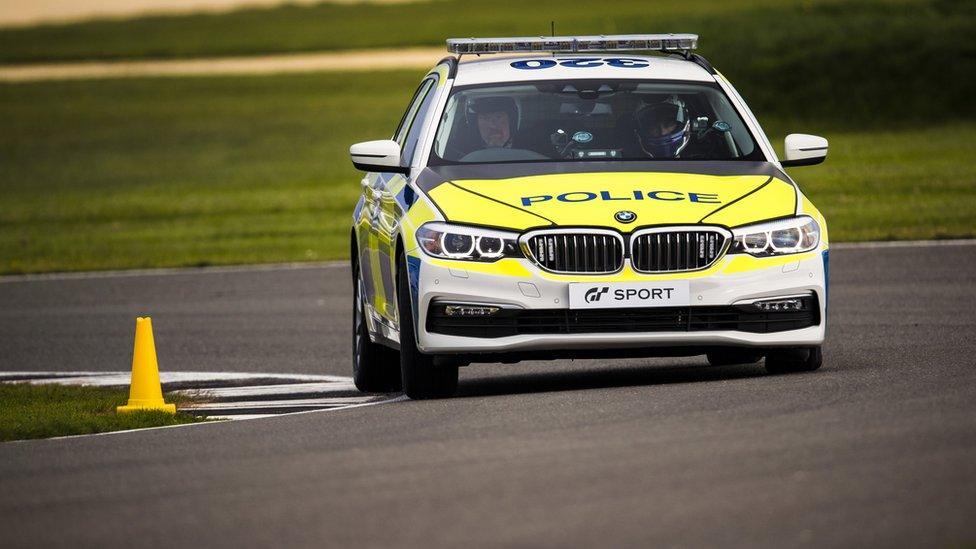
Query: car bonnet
[[622, 196]]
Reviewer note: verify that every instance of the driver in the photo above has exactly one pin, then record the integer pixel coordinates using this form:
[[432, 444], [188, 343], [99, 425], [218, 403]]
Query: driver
[[663, 129], [495, 118]]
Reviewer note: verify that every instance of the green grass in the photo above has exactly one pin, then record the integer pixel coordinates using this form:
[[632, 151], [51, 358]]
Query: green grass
[[895, 185], [144, 173], [199, 171], [44, 411], [328, 26], [171, 172]]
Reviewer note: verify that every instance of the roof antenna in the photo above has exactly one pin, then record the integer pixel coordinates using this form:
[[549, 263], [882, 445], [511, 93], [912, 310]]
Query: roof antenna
[[552, 30]]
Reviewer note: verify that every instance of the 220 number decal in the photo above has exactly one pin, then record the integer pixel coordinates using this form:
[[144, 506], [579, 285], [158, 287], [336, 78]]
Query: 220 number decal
[[581, 62]]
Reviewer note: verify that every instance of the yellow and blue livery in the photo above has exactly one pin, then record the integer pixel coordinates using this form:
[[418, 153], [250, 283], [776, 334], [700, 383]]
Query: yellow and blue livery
[[575, 199]]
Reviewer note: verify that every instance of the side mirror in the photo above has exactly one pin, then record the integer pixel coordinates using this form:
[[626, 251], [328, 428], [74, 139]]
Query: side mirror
[[377, 156], [804, 150]]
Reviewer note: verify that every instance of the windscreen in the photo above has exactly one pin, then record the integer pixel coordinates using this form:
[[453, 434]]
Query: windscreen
[[581, 120]]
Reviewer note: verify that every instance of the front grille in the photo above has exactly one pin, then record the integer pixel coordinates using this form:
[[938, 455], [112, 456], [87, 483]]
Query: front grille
[[511, 322], [671, 250], [577, 252]]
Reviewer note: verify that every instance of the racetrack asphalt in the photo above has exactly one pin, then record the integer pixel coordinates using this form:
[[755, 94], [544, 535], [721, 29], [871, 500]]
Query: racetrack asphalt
[[876, 448]]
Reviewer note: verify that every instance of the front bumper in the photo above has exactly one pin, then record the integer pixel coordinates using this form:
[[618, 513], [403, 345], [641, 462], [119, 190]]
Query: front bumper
[[525, 291]]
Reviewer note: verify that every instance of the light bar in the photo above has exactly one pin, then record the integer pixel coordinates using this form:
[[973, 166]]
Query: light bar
[[574, 44]]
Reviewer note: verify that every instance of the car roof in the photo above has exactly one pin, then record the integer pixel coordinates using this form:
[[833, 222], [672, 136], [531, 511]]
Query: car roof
[[499, 68]]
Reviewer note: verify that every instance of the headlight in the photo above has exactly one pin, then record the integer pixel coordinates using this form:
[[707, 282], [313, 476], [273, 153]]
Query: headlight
[[467, 243], [786, 236]]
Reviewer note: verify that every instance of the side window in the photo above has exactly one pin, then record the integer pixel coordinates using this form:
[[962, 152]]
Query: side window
[[404, 124], [409, 133]]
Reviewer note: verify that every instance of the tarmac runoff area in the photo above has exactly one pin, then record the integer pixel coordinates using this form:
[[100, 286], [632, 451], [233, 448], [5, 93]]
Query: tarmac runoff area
[[875, 449], [348, 60], [40, 12]]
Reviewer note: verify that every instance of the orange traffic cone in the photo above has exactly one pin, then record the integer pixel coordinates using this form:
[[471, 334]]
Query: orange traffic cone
[[145, 391]]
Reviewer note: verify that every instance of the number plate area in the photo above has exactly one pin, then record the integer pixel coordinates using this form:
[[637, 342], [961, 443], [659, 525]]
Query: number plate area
[[625, 295]]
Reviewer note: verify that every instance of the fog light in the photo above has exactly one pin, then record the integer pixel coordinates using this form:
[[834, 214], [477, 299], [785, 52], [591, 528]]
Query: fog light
[[469, 310], [777, 305]]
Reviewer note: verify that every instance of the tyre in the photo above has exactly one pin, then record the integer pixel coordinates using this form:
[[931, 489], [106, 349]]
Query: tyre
[[375, 368], [422, 378], [794, 360], [728, 357]]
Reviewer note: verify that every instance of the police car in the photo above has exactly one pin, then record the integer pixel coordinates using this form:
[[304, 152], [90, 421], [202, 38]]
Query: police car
[[590, 196]]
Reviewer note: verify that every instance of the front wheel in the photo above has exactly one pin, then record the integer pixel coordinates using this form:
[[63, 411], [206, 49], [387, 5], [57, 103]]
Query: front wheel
[[375, 368], [422, 378], [786, 361]]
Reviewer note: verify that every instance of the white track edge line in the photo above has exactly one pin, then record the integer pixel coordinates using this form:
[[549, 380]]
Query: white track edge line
[[399, 398], [905, 243], [167, 271], [217, 269], [170, 376]]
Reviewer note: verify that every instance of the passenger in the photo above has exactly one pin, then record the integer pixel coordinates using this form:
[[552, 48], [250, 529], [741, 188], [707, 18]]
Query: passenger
[[663, 129]]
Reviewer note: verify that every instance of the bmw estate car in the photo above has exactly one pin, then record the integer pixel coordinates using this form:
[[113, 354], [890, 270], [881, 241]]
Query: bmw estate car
[[590, 196]]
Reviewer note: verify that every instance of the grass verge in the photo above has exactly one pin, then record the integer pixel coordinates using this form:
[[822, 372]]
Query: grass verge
[[44, 411], [200, 171], [169, 172]]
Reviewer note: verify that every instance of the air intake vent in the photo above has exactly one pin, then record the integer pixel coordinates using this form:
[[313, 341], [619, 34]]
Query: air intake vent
[[512, 322], [576, 251], [673, 250]]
